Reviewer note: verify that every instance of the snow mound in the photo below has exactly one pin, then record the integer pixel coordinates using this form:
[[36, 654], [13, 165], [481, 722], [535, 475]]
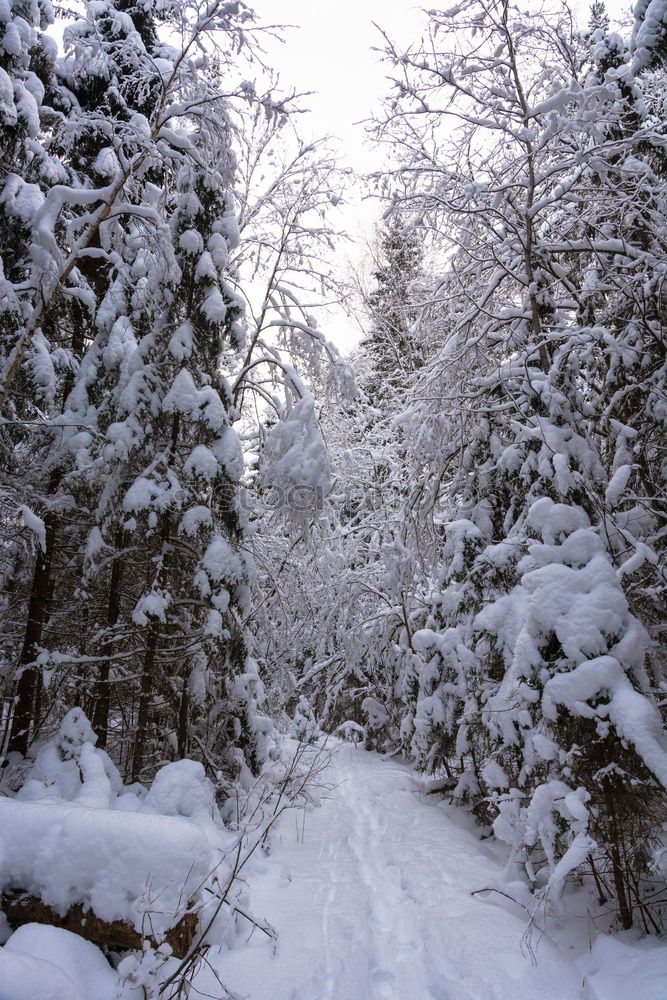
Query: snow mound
[[23, 977], [140, 868], [75, 834], [47, 963], [613, 965]]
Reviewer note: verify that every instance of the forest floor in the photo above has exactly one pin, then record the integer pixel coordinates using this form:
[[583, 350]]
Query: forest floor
[[372, 898], [382, 892]]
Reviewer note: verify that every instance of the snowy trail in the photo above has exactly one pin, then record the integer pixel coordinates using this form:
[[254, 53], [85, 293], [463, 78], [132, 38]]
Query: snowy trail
[[374, 904]]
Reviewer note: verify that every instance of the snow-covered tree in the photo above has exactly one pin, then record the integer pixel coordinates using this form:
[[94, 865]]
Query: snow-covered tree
[[130, 267], [542, 197], [30, 109], [178, 265], [392, 349]]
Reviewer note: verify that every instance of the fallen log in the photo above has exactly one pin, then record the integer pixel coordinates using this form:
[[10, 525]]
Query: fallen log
[[116, 878], [116, 935]]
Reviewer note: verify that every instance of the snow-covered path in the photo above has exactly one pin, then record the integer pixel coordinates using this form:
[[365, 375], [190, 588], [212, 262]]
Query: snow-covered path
[[373, 902]]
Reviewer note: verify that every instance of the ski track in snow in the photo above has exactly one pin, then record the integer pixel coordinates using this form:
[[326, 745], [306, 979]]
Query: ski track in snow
[[374, 903]]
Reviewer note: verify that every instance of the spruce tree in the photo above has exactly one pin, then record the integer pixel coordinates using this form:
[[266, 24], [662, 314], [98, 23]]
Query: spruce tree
[[30, 109], [166, 466], [391, 349]]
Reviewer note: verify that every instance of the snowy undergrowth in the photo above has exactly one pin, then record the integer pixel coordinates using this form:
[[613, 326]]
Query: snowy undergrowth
[[147, 856]]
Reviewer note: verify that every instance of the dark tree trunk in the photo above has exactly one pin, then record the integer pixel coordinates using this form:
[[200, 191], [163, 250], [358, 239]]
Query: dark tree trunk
[[148, 671], [618, 875], [26, 688], [146, 693], [183, 712], [102, 692]]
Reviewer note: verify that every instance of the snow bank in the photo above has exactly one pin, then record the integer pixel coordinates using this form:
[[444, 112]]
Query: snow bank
[[140, 868], [75, 834], [616, 969], [47, 963], [23, 977]]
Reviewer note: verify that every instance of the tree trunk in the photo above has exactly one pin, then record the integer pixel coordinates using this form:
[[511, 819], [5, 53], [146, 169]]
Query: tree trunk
[[102, 691], [147, 675], [27, 706], [24, 706], [145, 696], [624, 908], [183, 713]]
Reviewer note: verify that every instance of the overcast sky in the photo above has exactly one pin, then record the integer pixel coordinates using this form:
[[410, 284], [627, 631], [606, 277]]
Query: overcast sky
[[329, 50]]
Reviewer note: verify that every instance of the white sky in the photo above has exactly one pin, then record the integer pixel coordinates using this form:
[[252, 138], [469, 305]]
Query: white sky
[[329, 51]]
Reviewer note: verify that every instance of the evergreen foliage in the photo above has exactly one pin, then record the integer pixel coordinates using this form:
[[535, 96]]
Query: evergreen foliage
[[128, 588], [392, 349]]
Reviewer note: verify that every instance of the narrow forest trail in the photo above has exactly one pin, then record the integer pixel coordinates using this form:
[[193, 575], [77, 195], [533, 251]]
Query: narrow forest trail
[[372, 901]]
